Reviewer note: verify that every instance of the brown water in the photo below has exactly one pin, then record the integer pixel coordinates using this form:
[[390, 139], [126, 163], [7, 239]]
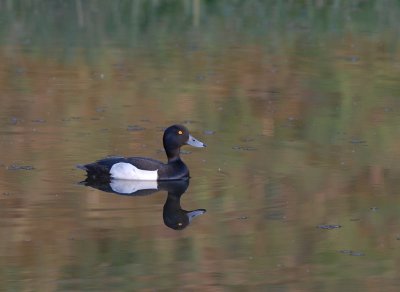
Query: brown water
[[299, 107]]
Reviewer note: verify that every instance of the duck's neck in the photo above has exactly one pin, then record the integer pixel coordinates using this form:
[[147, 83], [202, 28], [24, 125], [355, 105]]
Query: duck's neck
[[173, 202], [173, 154]]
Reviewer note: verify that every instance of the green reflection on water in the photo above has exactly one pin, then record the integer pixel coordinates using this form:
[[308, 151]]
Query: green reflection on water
[[301, 98]]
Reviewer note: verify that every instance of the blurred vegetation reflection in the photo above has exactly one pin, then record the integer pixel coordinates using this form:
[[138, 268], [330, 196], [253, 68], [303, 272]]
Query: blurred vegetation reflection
[[297, 100], [39, 23]]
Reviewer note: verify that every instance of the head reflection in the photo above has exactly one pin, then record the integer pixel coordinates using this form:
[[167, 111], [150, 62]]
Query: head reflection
[[174, 216]]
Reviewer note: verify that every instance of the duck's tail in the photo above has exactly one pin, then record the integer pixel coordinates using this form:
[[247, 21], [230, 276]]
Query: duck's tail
[[81, 166]]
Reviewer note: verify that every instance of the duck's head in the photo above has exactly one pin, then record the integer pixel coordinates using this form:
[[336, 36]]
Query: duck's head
[[175, 137], [179, 219]]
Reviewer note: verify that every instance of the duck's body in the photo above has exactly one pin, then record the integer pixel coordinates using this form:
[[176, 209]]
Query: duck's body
[[141, 168], [136, 168]]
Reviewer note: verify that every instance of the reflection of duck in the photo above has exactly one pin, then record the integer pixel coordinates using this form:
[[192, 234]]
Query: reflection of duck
[[173, 214], [140, 168]]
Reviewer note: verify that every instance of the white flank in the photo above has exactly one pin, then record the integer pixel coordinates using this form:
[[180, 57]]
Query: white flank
[[128, 171], [131, 186]]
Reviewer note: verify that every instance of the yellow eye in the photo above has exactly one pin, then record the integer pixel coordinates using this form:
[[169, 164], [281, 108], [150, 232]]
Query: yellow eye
[[180, 132]]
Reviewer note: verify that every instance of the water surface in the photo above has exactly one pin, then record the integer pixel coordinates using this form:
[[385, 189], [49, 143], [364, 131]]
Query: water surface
[[297, 102]]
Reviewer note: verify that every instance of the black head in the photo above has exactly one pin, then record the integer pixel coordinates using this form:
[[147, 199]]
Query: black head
[[179, 219], [175, 137]]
